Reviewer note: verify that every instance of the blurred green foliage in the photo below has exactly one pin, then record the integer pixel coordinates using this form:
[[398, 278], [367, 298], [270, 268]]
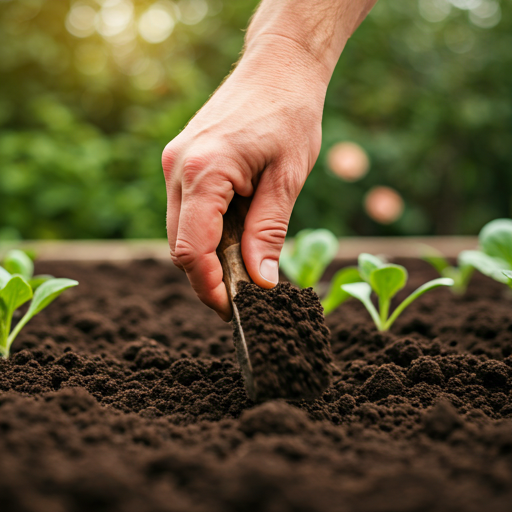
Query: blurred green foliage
[[85, 111]]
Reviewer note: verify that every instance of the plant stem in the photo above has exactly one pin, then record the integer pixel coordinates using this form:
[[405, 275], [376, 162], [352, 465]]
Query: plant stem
[[383, 312], [16, 331]]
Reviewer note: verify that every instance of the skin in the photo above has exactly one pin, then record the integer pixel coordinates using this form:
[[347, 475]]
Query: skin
[[259, 135]]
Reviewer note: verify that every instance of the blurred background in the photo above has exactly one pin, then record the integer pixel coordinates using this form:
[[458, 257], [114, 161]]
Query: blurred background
[[417, 123]]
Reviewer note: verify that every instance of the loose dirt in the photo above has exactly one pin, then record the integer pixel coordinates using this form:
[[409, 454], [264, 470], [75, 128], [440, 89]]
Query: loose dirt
[[124, 395], [287, 340]]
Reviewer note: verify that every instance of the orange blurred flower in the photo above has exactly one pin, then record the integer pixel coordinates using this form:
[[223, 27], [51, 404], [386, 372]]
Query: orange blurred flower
[[384, 204], [348, 161]]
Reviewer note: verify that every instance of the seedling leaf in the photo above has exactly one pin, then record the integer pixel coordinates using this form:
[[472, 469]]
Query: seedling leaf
[[367, 263], [5, 277], [48, 292], [508, 275], [496, 240], [18, 262], [336, 295], [313, 250], [388, 280], [15, 293], [362, 291], [485, 264], [43, 296], [37, 281], [435, 283]]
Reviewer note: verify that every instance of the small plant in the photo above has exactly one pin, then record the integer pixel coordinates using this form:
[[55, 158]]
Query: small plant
[[494, 257], [17, 286], [461, 274], [386, 280], [313, 251]]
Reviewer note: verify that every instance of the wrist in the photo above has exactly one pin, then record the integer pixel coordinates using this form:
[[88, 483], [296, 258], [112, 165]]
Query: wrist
[[307, 30], [281, 63]]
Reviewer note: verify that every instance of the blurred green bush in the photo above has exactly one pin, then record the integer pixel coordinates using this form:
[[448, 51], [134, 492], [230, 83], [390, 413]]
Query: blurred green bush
[[88, 100]]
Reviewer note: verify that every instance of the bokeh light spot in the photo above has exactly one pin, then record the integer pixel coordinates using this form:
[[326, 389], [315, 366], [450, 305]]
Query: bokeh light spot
[[466, 5], [348, 161], [114, 17], [80, 20], [384, 204], [434, 10], [156, 24], [192, 11], [486, 15]]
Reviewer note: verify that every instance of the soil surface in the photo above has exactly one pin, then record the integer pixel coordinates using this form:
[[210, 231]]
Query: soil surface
[[287, 341], [124, 395]]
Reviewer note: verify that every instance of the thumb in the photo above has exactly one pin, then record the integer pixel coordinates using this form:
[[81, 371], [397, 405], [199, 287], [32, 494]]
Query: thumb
[[265, 227]]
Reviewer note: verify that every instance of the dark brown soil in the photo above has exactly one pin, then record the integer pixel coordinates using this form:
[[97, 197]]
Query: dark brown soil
[[287, 341], [124, 396]]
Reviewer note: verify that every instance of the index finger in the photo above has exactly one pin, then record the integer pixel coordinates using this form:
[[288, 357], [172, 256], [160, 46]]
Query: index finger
[[199, 234]]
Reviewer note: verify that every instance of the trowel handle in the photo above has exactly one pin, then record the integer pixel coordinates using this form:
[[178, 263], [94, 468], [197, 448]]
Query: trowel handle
[[228, 251]]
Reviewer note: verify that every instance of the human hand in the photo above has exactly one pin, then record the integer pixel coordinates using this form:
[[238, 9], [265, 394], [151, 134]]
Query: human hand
[[259, 135]]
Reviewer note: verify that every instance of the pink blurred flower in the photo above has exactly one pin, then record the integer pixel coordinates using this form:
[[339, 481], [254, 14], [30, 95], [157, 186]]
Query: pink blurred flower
[[384, 204], [348, 161]]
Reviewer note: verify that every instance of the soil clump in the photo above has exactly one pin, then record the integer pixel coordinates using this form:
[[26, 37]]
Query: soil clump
[[125, 396], [287, 340]]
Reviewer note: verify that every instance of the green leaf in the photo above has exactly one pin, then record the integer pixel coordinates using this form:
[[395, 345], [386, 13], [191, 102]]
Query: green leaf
[[436, 283], [18, 262], [336, 295], [313, 251], [37, 281], [5, 277], [47, 293], [508, 275], [496, 240], [388, 280], [485, 264], [288, 265], [15, 293], [363, 291], [43, 296], [367, 263]]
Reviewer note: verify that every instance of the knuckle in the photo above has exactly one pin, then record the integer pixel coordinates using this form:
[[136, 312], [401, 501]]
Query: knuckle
[[184, 254], [193, 170], [169, 158], [271, 231]]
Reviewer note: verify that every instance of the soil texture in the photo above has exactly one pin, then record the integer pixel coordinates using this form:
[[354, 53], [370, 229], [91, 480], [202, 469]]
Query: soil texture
[[124, 395], [287, 341]]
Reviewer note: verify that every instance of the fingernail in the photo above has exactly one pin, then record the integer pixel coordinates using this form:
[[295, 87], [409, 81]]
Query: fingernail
[[269, 270]]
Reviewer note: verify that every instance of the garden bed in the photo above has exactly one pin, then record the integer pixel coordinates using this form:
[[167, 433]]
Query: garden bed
[[124, 395]]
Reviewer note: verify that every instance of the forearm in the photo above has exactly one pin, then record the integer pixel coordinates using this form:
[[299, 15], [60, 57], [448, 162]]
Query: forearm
[[313, 30]]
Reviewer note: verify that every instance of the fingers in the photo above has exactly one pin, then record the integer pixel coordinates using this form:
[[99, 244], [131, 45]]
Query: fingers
[[266, 225], [205, 199], [173, 216], [173, 187]]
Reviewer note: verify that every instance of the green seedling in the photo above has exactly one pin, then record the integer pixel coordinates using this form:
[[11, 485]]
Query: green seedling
[[461, 274], [305, 263], [494, 257], [386, 280], [17, 286]]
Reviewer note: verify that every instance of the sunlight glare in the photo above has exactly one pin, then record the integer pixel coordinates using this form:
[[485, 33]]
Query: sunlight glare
[[157, 23]]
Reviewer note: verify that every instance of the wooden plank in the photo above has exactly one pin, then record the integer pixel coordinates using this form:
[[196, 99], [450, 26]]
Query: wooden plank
[[124, 250]]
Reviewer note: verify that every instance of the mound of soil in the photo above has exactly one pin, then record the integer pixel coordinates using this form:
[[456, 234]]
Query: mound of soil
[[124, 395], [287, 341]]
